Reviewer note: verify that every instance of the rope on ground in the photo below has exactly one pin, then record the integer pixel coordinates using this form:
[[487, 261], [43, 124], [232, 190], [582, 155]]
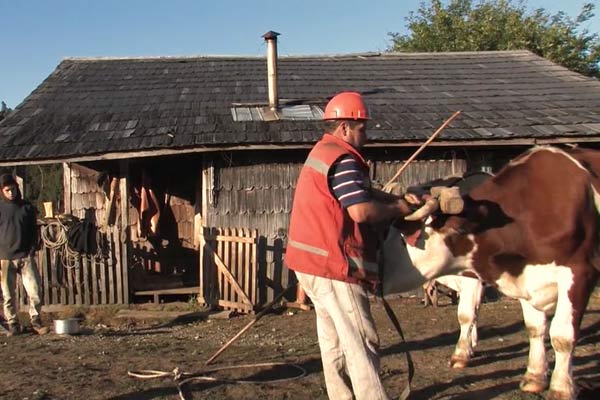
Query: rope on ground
[[182, 378]]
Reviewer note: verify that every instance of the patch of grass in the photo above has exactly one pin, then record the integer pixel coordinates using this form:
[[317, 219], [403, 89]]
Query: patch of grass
[[72, 312], [102, 315], [190, 305], [89, 315]]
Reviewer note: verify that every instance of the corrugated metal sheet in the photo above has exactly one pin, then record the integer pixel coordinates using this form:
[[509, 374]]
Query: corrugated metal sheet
[[301, 112]]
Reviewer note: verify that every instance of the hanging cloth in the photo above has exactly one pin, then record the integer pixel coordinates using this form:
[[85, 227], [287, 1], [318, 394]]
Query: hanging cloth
[[149, 208]]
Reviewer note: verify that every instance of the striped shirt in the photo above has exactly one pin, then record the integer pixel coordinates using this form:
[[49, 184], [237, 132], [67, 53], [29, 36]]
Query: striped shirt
[[346, 181]]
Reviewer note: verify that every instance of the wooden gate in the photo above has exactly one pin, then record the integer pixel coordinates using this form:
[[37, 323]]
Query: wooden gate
[[228, 268]]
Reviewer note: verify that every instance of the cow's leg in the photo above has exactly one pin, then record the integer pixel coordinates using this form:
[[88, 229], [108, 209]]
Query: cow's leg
[[562, 336], [477, 298], [535, 379], [468, 307], [564, 329], [427, 287]]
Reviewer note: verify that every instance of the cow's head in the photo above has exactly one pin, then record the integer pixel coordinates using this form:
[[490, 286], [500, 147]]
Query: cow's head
[[440, 243], [414, 251], [431, 243]]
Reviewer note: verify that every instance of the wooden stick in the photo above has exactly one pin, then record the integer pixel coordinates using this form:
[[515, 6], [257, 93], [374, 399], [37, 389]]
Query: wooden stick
[[420, 149], [245, 328]]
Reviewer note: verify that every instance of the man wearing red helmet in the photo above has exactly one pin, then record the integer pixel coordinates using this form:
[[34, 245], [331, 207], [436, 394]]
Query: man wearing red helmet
[[332, 248]]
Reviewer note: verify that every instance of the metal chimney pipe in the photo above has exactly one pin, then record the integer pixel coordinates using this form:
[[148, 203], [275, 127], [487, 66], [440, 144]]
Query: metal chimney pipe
[[271, 39]]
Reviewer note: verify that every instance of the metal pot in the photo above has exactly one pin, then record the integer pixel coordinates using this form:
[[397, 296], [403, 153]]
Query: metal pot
[[68, 326]]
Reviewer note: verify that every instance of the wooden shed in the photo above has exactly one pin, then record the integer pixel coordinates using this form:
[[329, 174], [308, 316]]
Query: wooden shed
[[202, 153]]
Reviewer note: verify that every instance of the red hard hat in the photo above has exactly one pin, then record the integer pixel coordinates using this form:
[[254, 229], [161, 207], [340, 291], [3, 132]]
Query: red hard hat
[[346, 105]]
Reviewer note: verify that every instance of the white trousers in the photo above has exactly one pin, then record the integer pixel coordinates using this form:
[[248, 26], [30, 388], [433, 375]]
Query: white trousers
[[30, 276], [347, 338]]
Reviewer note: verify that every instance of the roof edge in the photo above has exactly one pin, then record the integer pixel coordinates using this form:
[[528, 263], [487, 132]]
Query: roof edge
[[333, 55], [373, 145]]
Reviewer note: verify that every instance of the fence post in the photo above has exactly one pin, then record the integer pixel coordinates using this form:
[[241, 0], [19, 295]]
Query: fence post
[[124, 234]]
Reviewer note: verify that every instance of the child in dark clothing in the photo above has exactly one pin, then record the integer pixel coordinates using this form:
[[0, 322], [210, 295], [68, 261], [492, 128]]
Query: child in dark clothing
[[18, 241]]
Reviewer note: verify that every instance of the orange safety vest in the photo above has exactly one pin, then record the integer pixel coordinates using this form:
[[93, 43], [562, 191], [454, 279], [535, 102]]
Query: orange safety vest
[[323, 240]]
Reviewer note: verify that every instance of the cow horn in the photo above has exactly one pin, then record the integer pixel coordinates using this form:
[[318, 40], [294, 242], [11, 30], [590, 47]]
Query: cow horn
[[430, 206]]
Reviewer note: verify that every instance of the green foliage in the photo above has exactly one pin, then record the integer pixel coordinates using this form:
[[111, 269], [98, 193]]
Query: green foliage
[[42, 183], [468, 25]]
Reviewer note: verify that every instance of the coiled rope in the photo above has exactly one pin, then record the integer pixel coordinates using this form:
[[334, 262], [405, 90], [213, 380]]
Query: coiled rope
[[182, 378], [54, 234]]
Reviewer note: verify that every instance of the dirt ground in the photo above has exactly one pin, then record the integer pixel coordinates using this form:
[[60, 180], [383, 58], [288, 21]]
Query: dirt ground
[[95, 363]]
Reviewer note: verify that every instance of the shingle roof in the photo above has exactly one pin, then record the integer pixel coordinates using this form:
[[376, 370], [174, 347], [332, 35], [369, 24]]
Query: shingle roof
[[90, 107]]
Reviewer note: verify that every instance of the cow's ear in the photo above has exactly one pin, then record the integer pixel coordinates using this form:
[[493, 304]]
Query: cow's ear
[[459, 244], [482, 211], [486, 214], [451, 224], [475, 210]]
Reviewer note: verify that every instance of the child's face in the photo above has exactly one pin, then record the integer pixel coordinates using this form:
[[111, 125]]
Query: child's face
[[10, 192]]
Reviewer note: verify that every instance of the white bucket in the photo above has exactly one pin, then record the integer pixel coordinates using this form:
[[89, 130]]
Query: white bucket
[[68, 326]]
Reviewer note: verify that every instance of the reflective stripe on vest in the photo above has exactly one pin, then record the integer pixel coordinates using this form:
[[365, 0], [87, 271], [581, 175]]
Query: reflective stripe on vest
[[309, 248], [357, 263], [317, 165]]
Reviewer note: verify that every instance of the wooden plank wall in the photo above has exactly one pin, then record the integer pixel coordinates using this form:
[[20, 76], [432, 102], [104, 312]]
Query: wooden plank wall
[[417, 171], [260, 196]]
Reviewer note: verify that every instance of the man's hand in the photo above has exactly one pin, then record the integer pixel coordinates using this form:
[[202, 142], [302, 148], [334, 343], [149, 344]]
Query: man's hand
[[374, 211]]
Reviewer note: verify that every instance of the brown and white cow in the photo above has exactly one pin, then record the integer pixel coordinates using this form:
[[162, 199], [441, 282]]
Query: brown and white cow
[[532, 231]]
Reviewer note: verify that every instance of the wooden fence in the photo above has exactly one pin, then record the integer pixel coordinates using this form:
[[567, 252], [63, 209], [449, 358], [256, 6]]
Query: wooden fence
[[80, 279], [228, 268], [228, 273]]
